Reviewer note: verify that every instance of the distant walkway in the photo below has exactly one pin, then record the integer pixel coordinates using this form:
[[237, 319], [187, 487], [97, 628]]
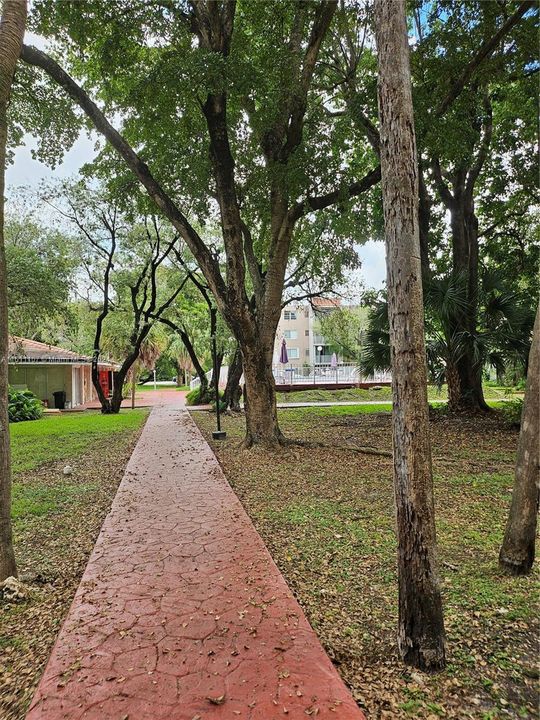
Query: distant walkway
[[145, 398], [181, 612]]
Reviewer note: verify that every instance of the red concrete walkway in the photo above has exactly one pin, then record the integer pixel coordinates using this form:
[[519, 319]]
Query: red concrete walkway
[[143, 398], [181, 613]]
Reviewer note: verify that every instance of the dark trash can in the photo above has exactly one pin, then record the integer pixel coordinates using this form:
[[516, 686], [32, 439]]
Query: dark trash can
[[59, 399]]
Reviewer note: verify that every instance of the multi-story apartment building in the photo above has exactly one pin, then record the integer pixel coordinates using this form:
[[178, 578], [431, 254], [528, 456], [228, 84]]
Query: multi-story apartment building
[[299, 327]]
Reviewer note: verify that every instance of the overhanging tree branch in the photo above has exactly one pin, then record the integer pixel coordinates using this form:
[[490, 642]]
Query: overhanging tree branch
[[311, 204], [206, 261], [484, 51]]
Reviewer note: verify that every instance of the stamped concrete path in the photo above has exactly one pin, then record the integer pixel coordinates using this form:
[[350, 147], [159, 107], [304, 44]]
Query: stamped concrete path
[[181, 613]]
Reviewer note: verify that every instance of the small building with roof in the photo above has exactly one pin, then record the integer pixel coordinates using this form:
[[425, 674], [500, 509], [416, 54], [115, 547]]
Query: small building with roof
[[46, 369]]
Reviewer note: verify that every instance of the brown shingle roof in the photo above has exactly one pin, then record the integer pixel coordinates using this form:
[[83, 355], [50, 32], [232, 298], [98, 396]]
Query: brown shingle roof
[[326, 302], [22, 350]]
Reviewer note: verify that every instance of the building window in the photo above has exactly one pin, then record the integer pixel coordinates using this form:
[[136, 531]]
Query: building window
[[289, 315], [291, 334], [293, 353], [307, 352], [306, 333]]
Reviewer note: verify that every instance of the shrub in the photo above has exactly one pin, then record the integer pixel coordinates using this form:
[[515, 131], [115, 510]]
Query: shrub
[[196, 397], [23, 405], [512, 410]]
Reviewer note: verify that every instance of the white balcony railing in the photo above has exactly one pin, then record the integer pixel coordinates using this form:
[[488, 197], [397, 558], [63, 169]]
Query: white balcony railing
[[324, 374], [320, 374]]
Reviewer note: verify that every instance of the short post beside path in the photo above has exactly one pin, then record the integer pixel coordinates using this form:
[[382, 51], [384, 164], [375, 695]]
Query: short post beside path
[[181, 612]]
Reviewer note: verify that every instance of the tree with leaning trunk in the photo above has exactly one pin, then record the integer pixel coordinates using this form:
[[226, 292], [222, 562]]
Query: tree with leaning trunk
[[233, 391], [125, 255], [421, 635], [12, 26], [517, 552], [257, 119]]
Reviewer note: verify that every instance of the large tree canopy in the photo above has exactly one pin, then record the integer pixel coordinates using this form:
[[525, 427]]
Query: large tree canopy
[[41, 265], [223, 103], [474, 90], [261, 116]]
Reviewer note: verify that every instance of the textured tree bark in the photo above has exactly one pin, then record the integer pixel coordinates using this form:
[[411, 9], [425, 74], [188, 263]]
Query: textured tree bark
[[260, 397], [454, 387], [233, 391], [12, 25], [421, 636], [464, 225], [517, 552]]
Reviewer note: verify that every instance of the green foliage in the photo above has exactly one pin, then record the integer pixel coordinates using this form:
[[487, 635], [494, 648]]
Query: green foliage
[[198, 397], [512, 411], [156, 90], [502, 339], [23, 405], [343, 329], [375, 354], [41, 266]]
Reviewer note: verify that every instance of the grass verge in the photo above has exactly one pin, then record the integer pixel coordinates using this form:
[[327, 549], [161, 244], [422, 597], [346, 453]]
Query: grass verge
[[382, 393], [63, 436], [56, 521]]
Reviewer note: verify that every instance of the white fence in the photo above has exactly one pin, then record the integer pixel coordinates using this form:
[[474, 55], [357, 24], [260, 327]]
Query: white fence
[[290, 374], [224, 371], [343, 374]]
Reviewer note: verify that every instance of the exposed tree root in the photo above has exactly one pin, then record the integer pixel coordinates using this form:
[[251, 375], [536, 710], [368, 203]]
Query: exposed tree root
[[349, 448]]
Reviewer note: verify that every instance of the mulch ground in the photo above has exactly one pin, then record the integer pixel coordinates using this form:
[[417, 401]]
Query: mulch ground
[[326, 515], [52, 549]]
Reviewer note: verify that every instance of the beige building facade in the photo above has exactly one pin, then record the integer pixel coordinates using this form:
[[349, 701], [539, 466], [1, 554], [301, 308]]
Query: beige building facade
[[298, 326]]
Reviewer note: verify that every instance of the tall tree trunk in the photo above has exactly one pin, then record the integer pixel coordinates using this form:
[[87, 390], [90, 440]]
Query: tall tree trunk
[[517, 551], [115, 402], [180, 374], [464, 226], [103, 399], [233, 391], [12, 25], [421, 636], [215, 378], [204, 392], [454, 387], [260, 396]]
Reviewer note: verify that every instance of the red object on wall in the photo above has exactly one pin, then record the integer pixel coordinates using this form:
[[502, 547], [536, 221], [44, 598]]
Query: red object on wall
[[104, 382]]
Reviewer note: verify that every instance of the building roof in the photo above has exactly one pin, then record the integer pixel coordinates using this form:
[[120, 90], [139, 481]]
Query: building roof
[[22, 350], [321, 302]]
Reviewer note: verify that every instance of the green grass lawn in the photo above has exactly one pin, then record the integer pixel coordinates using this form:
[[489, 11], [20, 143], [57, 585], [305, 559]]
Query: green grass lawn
[[161, 386], [383, 393], [348, 410], [63, 436]]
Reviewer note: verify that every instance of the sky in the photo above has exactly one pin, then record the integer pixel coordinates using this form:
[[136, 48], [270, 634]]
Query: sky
[[28, 172]]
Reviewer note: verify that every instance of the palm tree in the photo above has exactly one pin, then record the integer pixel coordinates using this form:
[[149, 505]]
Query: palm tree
[[176, 351], [502, 339]]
